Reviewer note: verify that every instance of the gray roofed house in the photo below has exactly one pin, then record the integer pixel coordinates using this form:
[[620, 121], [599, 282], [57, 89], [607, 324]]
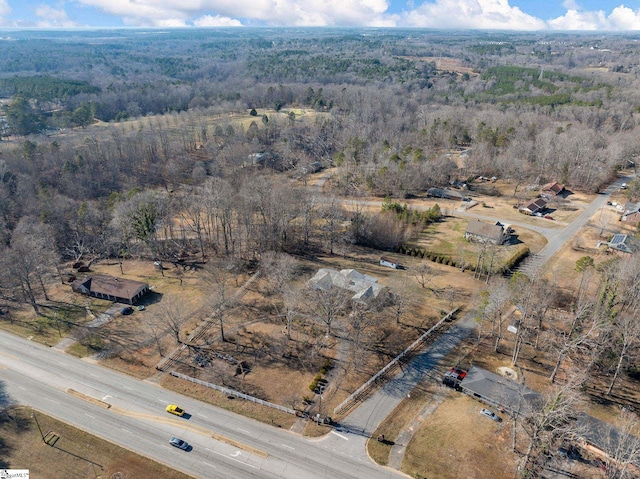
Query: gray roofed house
[[606, 441], [499, 391], [447, 193], [631, 215], [482, 232], [111, 288], [364, 286], [624, 244]]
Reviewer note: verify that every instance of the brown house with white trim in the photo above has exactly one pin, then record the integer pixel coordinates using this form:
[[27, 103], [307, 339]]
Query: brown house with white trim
[[119, 290], [552, 189], [536, 206]]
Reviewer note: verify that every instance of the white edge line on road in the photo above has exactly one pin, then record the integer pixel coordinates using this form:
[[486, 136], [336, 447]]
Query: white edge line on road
[[92, 417], [162, 401], [210, 450], [340, 435], [232, 459], [125, 430], [290, 447], [202, 415], [210, 465], [244, 430]]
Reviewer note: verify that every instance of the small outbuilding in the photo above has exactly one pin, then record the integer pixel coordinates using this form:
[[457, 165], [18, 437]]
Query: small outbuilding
[[107, 287], [389, 262]]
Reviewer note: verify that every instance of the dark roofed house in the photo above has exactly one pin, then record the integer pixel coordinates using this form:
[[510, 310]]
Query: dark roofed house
[[447, 193], [607, 442], [111, 288], [499, 391], [482, 232], [536, 206], [631, 215], [624, 244], [552, 189]]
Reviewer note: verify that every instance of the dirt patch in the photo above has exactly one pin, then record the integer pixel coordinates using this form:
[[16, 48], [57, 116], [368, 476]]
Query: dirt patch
[[75, 454]]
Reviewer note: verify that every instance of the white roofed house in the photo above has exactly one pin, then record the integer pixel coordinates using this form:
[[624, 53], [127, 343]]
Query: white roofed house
[[363, 286]]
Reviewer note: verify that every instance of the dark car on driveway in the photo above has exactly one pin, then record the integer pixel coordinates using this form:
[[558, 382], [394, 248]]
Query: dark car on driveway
[[126, 311]]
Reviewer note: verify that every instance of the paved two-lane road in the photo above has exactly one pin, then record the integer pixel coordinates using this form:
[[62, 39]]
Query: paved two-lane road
[[39, 376]]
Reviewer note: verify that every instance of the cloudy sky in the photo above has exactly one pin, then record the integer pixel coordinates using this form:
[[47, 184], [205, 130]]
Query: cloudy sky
[[603, 15]]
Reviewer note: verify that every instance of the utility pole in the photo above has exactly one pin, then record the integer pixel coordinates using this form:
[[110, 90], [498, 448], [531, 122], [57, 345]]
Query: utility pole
[[33, 413]]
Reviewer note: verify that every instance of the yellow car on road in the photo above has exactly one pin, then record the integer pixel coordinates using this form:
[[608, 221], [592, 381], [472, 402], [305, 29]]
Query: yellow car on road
[[173, 409]]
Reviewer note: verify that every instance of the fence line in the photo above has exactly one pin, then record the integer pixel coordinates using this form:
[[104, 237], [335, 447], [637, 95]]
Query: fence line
[[201, 330], [359, 393], [224, 390]]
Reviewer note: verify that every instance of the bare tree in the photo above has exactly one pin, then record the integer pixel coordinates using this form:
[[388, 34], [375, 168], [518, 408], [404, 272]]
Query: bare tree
[[622, 445], [26, 262], [627, 335], [403, 297], [171, 315], [218, 277], [548, 421], [326, 305]]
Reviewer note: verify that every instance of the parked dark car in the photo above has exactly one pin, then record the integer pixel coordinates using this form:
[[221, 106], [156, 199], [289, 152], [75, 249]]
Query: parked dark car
[[126, 311]]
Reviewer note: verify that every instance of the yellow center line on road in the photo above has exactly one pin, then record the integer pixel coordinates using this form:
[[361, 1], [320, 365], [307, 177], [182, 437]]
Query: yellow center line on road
[[9, 356], [190, 427]]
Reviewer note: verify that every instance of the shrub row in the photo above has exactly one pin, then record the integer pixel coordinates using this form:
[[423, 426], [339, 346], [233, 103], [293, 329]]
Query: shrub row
[[447, 260]]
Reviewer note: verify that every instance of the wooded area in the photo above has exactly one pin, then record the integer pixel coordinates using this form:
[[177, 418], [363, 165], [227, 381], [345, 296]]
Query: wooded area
[[197, 145]]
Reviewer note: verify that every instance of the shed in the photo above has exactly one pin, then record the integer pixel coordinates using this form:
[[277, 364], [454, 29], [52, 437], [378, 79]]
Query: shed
[[389, 262], [119, 290]]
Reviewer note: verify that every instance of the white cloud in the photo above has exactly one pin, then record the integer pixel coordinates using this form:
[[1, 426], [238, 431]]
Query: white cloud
[[267, 12], [476, 14], [51, 17], [570, 5], [621, 18], [5, 9], [462, 14], [216, 21]]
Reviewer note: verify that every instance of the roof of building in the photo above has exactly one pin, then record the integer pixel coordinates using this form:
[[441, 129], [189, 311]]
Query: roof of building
[[112, 286], [536, 205], [445, 193], [624, 243], [499, 390], [631, 208], [607, 438], [554, 188], [364, 286], [486, 230]]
